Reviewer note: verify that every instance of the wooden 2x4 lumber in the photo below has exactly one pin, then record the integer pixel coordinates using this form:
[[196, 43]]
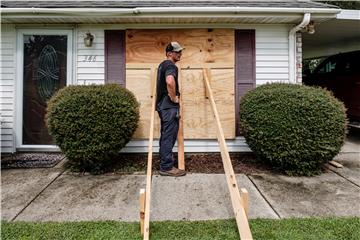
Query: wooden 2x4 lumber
[[142, 210], [149, 164], [245, 200], [180, 137], [194, 66], [237, 203]]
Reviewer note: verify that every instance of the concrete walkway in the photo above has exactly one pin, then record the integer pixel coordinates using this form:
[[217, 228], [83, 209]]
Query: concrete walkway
[[55, 195]]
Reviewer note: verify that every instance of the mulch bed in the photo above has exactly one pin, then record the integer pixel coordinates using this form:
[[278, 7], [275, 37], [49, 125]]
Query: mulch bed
[[194, 163], [137, 162], [30, 160]]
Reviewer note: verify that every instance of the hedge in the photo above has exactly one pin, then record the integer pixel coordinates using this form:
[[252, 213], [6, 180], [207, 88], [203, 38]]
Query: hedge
[[91, 124], [292, 127]]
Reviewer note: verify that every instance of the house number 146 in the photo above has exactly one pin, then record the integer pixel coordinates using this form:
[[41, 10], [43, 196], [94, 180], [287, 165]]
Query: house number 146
[[89, 58]]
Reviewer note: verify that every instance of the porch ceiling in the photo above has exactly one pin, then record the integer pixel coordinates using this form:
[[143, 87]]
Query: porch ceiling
[[334, 36]]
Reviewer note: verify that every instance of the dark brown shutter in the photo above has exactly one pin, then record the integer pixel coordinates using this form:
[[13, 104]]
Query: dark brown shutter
[[115, 56], [245, 67]]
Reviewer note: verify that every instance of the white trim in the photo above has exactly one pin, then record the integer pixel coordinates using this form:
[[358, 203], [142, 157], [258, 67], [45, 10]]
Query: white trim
[[126, 26], [210, 145], [349, 15], [141, 146], [38, 148], [20, 73], [292, 46], [101, 14], [161, 10]]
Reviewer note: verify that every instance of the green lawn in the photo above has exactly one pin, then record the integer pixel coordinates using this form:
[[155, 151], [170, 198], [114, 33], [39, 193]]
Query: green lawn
[[310, 228]]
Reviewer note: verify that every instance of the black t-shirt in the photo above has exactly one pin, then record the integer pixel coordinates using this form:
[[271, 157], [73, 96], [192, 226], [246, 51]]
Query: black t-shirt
[[163, 101]]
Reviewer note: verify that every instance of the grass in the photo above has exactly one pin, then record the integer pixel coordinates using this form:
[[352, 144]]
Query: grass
[[294, 229]]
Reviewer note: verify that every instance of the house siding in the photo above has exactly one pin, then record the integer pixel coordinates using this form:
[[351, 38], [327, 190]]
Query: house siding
[[7, 86], [272, 54], [90, 61], [271, 42], [272, 63]]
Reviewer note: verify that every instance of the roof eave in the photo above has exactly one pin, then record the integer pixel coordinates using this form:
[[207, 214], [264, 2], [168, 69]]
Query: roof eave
[[29, 14]]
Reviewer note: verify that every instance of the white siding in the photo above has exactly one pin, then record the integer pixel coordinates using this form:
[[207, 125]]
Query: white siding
[[7, 87], [272, 54], [272, 63], [90, 60]]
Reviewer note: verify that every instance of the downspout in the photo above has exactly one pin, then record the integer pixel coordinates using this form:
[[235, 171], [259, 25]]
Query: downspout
[[292, 46]]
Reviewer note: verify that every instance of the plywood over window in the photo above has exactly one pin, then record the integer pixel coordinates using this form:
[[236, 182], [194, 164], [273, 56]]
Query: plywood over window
[[213, 48]]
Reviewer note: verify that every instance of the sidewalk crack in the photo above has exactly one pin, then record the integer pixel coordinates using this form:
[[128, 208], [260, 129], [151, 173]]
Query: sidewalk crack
[[37, 195], [343, 177], [263, 196]]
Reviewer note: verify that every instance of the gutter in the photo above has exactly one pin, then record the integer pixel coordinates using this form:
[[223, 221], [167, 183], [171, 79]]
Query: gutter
[[173, 10], [292, 46]]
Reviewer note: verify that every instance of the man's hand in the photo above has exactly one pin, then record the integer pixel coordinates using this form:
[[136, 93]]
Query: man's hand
[[175, 99]]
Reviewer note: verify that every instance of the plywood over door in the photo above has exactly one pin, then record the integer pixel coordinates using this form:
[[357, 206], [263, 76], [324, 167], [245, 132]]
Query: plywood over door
[[213, 48]]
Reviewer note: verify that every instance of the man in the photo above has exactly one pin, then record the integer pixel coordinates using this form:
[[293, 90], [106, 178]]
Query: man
[[167, 106]]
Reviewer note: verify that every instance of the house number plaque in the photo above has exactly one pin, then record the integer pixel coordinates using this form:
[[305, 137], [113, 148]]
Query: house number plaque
[[89, 58]]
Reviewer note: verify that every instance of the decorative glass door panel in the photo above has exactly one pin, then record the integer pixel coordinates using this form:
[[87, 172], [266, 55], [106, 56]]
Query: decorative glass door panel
[[45, 60]]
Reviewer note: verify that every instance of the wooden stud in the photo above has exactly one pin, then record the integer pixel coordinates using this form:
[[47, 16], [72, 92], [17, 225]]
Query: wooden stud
[[149, 164], [152, 84], [245, 200], [209, 80], [180, 137], [199, 66], [336, 164], [239, 211], [142, 210]]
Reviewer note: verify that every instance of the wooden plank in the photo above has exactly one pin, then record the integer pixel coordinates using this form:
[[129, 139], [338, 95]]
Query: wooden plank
[[204, 48], [198, 122], [180, 137], [142, 210], [140, 83], [206, 90], [149, 163], [239, 211], [201, 45], [196, 110], [335, 164], [199, 66], [245, 200]]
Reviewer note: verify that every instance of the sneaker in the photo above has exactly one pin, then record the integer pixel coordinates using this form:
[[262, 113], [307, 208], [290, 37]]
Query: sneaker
[[174, 172]]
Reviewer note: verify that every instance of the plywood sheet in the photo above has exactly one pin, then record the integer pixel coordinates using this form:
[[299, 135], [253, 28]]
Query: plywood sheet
[[145, 49], [139, 82], [198, 117], [201, 45]]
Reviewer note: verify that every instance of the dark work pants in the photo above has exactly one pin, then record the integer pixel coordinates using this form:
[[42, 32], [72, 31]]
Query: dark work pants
[[169, 130]]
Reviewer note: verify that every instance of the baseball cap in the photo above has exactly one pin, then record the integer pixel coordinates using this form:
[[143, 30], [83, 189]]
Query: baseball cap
[[174, 47]]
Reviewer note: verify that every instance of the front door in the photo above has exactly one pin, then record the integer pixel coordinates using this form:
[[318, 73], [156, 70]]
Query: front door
[[45, 69]]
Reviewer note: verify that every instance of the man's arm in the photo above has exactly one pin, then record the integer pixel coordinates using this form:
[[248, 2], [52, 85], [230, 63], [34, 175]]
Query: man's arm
[[171, 88]]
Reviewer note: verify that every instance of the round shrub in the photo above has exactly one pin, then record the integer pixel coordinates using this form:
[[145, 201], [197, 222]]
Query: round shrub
[[294, 128], [92, 123]]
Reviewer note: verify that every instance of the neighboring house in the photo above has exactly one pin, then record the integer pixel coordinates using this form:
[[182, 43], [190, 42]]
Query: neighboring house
[[245, 43]]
